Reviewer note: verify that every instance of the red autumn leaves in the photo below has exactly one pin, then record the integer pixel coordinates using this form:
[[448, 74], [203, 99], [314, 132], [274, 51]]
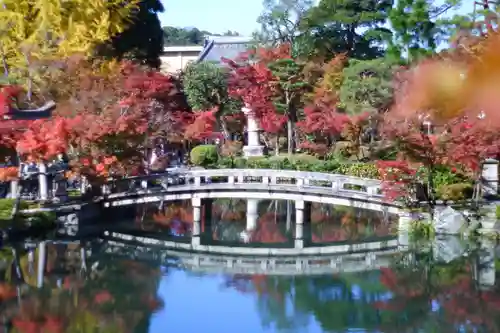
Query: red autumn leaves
[[103, 119]]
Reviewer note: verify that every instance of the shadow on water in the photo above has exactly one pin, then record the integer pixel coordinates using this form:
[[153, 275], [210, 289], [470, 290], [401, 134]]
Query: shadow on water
[[99, 285]]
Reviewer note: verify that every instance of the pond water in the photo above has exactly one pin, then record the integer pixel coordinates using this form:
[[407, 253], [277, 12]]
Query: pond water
[[101, 285], [253, 222]]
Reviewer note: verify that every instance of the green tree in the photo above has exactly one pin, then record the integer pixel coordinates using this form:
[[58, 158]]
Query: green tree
[[205, 86], [419, 26], [189, 36], [367, 85], [280, 22], [353, 27], [142, 41], [178, 36], [290, 85]]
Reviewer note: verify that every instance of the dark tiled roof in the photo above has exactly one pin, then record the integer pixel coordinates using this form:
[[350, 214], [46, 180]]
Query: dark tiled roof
[[224, 47]]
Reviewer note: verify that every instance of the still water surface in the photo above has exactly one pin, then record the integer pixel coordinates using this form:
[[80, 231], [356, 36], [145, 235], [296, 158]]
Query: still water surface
[[92, 285]]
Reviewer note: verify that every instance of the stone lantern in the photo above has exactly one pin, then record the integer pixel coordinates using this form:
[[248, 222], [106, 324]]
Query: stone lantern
[[253, 147]]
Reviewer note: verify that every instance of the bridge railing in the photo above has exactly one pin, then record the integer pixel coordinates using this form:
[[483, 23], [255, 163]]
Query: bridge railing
[[301, 179]]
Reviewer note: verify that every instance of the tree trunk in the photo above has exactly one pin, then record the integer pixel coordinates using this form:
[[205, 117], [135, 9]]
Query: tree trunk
[[277, 145], [289, 126]]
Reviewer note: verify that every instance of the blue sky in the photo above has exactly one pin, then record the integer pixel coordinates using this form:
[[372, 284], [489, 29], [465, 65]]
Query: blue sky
[[218, 16]]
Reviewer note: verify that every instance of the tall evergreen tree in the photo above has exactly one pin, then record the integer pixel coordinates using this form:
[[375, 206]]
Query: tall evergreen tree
[[419, 26], [350, 26]]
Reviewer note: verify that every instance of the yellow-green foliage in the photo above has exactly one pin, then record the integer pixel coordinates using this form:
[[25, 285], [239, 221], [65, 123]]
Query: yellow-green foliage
[[34, 30], [204, 155], [422, 229], [455, 192], [40, 218]]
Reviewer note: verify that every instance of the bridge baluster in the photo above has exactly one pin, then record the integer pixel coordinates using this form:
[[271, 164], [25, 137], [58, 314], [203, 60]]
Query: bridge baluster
[[197, 181], [337, 185], [300, 182], [230, 179]]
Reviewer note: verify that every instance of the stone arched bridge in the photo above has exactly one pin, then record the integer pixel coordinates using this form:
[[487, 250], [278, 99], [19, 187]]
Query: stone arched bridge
[[253, 183]]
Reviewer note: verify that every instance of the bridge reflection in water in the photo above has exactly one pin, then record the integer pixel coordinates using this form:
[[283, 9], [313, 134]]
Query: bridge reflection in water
[[273, 237], [386, 297], [263, 227]]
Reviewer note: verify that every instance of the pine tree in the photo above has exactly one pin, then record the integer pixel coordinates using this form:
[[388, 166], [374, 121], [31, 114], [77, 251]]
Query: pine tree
[[353, 27]]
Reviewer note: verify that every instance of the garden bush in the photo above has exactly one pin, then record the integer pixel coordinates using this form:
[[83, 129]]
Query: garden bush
[[6, 206], [443, 175], [455, 192], [303, 162], [204, 155]]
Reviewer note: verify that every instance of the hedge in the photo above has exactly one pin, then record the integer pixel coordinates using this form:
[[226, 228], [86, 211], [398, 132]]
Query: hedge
[[302, 163], [449, 185], [204, 155]]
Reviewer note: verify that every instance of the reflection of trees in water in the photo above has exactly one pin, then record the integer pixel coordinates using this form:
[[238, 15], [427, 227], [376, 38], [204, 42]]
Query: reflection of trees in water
[[292, 302], [410, 297], [225, 209], [119, 296], [448, 289], [174, 216], [338, 223], [228, 220]]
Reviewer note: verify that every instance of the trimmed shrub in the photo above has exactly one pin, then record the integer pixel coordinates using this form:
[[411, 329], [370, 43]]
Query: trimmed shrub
[[204, 155]]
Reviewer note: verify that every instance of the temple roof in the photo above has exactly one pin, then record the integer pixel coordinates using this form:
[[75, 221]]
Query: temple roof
[[217, 47]]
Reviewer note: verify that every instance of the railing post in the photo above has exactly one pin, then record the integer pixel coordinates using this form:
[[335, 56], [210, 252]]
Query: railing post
[[197, 181], [105, 189], [196, 230], [241, 179], [265, 180], [336, 185], [230, 179], [42, 181], [299, 182], [83, 185], [372, 190]]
